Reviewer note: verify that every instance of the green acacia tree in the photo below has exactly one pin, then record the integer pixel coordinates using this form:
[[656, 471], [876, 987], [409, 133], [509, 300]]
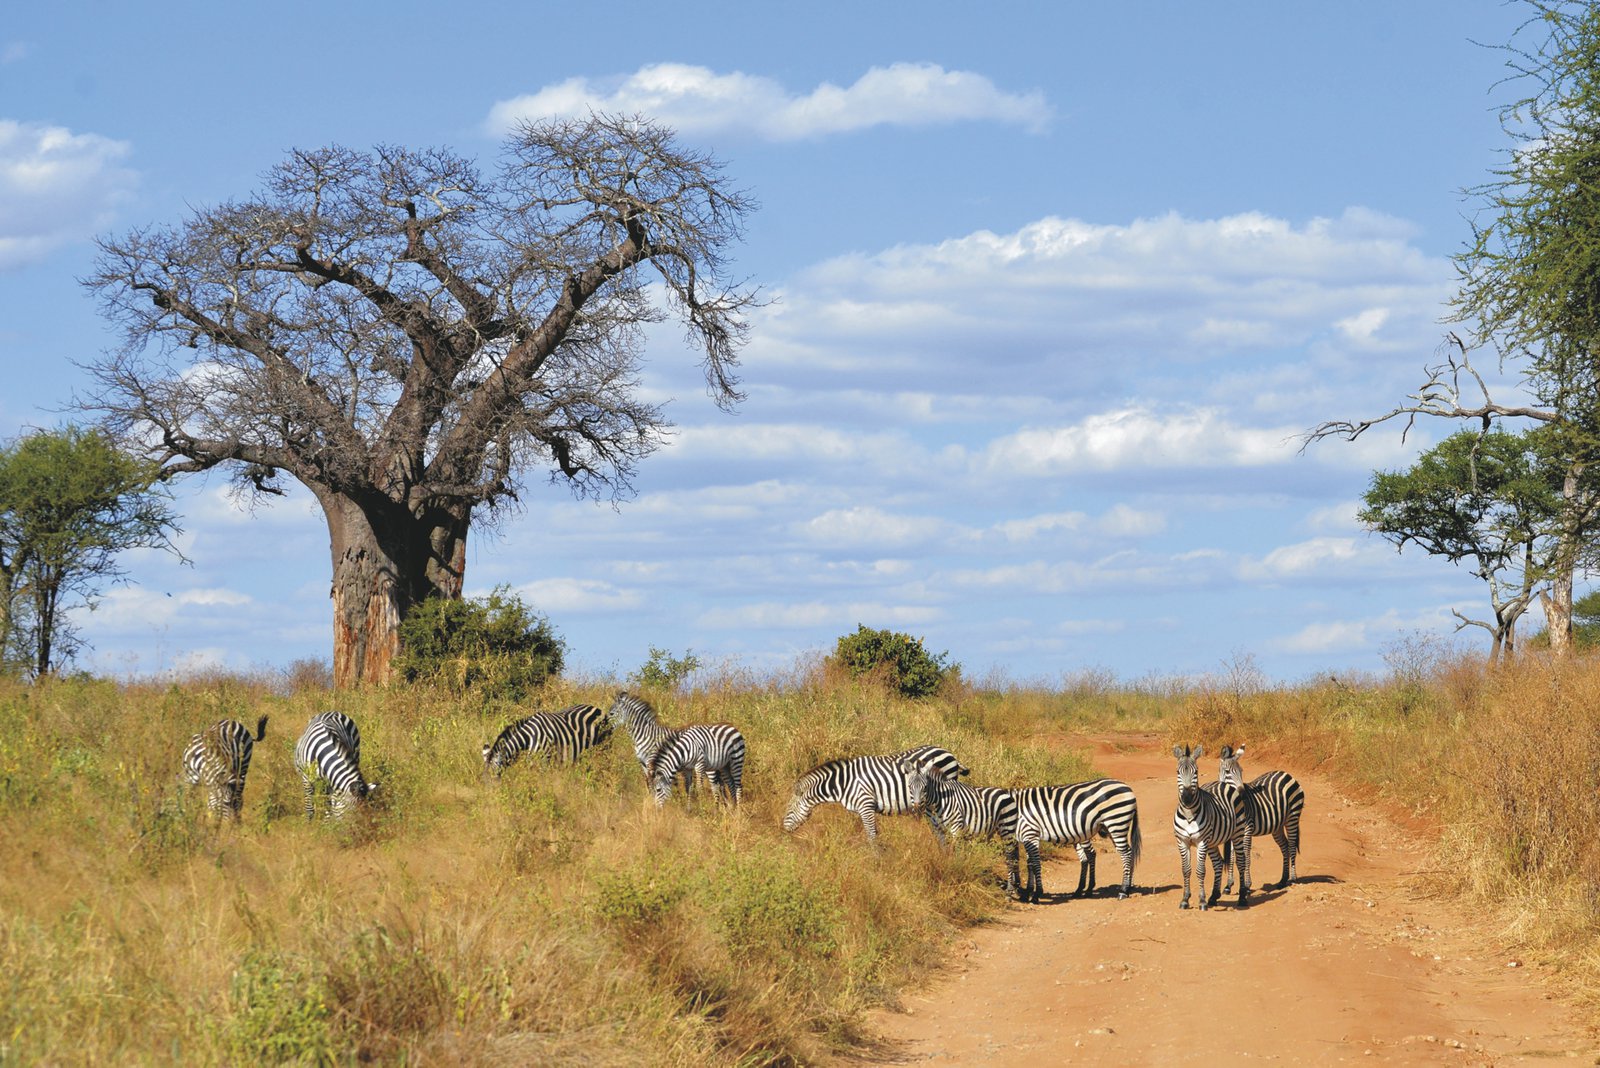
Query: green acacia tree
[[1529, 281], [1491, 501], [70, 502]]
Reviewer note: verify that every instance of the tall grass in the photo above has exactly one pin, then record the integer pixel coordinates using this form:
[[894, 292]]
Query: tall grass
[[554, 916]]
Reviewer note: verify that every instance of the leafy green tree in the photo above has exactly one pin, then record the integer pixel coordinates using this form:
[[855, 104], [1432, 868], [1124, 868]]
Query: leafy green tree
[[1530, 280], [496, 645], [905, 665], [1491, 500], [70, 502]]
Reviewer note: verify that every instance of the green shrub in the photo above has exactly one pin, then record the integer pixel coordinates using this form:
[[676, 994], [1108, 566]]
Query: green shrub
[[663, 670], [280, 1013], [496, 645], [906, 667]]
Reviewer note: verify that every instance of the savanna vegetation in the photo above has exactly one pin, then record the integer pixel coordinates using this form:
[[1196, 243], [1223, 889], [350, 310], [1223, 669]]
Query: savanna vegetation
[[556, 916]]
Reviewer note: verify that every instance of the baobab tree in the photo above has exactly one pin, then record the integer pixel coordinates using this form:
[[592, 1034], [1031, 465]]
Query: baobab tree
[[410, 337]]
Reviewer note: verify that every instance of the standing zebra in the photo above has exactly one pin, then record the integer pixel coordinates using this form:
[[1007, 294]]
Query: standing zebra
[[1272, 805], [975, 812], [1208, 821], [219, 758], [715, 750], [329, 752], [1073, 815], [869, 785], [639, 720], [565, 733]]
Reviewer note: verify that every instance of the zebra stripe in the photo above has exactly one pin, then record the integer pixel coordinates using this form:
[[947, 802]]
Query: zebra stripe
[[1209, 821], [219, 758], [963, 811], [715, 750], [1073, 815], [639, 720], [1272, 805], [329, 753], [566, 733], [869, 785]]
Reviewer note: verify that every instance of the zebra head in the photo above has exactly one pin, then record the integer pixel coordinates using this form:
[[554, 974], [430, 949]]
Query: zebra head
[[916, 776], [1228, 770], [627, 710], [1188, 774]]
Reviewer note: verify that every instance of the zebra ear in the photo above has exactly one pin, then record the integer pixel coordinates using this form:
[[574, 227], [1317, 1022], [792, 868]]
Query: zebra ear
[[1199, 751], [1227, 751], [1179, 751], [1239, 752]]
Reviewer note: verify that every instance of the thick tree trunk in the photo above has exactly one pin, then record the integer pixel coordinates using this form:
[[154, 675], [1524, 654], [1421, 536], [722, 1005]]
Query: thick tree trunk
[[385, 559]]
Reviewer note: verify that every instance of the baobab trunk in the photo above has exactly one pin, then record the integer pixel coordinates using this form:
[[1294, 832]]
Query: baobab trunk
[[385, 559]]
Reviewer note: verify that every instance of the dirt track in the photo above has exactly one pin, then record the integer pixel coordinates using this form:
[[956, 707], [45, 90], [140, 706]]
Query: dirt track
[[1349, 965]]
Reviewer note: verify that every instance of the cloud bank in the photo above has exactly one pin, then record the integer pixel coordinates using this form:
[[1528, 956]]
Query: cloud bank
[[56, 186]]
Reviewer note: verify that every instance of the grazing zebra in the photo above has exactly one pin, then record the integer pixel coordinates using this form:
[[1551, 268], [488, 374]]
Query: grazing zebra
[[975, 812], [565, 733], [869, 785], [639, 720], [219, 758], [1272, 805], [1073, 815], [329, 752], [1208, 821], [715, 750]]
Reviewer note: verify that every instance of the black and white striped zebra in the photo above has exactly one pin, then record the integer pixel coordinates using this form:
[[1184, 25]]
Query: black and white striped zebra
[[329, 754], [869, 785], [1073, 815], [632, 714], [715, 750], [1209, 822], [1272, 805], [565, 733], [219, 759]]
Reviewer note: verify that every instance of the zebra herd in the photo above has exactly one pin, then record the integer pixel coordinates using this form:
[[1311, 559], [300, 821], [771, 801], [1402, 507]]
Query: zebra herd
[[1214, 823]]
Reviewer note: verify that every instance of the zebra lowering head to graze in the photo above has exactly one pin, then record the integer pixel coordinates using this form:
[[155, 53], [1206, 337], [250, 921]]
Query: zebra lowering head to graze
[[219, 758], [636, 717], [1209, 821], [329, 753], [715, 750], [1073, 815], [963, 811], [566, 734], [869, 785], [1272, 805]]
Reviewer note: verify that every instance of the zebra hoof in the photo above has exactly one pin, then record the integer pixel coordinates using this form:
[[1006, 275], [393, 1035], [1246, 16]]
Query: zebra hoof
[[1122, 895], [1185, 904]]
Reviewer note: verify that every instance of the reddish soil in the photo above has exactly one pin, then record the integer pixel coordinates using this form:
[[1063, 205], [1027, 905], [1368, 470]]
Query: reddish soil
[[1351, 964]]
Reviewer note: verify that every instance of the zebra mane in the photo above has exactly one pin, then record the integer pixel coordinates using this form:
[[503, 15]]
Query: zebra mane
[[633, 708]]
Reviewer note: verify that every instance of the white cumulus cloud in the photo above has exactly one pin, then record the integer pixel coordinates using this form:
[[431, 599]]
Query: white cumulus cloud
[[699, 100], [56, 186]]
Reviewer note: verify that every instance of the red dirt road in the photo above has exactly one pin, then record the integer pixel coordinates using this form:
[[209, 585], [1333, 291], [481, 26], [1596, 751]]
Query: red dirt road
[[1350, 965]]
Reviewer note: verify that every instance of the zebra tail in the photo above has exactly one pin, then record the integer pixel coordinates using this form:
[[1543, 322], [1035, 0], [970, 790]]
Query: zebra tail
[[1135, 839], [261, 728]]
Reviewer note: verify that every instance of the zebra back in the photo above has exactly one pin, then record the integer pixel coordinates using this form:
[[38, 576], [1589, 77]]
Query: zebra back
[[936, 760], [567, 732], [636, 717], [219, 758], [1074, 814]]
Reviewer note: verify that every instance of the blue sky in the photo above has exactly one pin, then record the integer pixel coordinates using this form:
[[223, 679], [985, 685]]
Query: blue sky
[[1054, 287]]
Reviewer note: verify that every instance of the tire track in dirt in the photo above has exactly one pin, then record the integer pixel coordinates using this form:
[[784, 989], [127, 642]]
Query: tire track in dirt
[[1351, 964]]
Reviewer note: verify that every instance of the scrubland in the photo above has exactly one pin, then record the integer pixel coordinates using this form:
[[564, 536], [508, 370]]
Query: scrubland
[[556, 916]]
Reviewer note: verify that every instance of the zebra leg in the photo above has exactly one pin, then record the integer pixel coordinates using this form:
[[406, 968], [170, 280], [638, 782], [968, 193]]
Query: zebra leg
[[1211, 853], [1013, 881], [1183, 851], [1125, 854], [311, 799], [1085, 870], [1241, 858], [1035, 875], [869, 821]]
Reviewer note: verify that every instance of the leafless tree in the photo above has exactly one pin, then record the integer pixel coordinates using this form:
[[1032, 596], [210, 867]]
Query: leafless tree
[[409, 338]]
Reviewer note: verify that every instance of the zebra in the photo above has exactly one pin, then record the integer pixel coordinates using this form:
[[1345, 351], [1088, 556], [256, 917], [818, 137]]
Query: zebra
[[868, 785], [1272, 805], [639, 720], [1209, 821], [1073, 815], [219, 758], [567, 733], [329, 752], [713, 749]]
